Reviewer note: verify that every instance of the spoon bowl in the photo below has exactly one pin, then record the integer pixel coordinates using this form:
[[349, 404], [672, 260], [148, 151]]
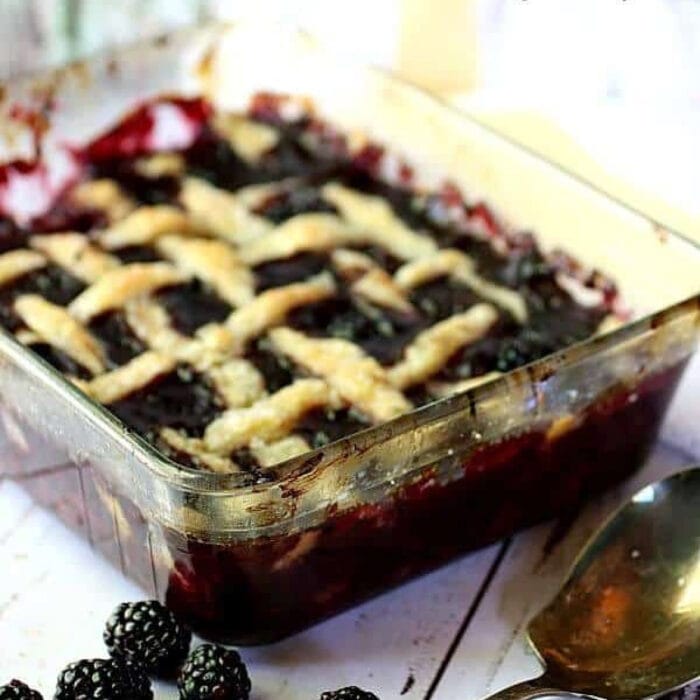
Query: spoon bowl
[[626, 623]]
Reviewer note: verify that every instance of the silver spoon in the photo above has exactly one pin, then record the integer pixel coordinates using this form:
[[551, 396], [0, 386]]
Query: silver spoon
[[626, 623]]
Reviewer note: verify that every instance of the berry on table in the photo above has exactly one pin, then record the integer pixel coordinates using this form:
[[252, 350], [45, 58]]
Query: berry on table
[[147, 633], [89, 679], [350, 693], [16, 690], [212, 672]]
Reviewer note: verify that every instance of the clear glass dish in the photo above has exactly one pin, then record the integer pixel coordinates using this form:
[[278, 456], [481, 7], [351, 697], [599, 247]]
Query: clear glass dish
[[249, 564]]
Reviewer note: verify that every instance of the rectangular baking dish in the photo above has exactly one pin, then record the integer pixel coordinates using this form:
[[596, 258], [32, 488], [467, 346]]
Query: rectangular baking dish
[[250, 564]]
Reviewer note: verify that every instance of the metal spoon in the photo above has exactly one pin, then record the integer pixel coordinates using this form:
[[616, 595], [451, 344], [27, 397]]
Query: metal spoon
[[626, 623]]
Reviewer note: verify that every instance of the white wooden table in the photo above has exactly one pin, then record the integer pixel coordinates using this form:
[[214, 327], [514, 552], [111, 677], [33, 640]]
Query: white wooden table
[[456, 633]]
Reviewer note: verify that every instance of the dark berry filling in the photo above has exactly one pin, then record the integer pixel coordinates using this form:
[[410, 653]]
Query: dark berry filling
[[53, 283], [382, 257], [277, 370], [11, 235], [137, 254], [286, 271], [324, 426], [282, 206], [380, 333], [60, 361], [524, 268], [182, 400], [245, 459], [192, 305], [488, 262], [292, 158], [212, 159], [65, 216], [119, 341], [163, 189], [441, 298]]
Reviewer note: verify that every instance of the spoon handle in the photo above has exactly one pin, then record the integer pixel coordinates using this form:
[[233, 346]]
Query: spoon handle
[[535, 688]]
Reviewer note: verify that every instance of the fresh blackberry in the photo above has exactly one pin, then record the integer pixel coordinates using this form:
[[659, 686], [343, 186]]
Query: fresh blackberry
[[106, 679], [138, 679], [147, 633], [16, 690], [350, 693], [214, 672]]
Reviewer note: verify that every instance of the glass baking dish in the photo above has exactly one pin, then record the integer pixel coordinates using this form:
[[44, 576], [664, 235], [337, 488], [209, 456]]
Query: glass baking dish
[[250, 564]]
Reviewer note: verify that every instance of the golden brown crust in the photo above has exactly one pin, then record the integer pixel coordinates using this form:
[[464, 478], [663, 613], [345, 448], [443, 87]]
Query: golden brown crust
[[119, 383], [18, 263], [104, 195], [214, 262], [432, 348], [271, 307], [251, 140], [116, 287], [221, 213], [145, 225], [357, 378], [271, 418], [75, 253], [374, 217], [370, 282], [54, 325]]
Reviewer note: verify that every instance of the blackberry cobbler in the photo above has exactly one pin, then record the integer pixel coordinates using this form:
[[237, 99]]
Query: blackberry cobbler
[[272, 285]]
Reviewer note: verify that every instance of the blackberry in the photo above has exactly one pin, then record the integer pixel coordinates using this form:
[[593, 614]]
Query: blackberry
[[147, 633], [16, 690], [90, 679], [350, 693], [214, 672]]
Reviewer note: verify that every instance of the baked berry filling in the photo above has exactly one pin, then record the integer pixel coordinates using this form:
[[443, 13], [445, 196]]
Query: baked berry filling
[[283, 205], [60, 360], [192, 305], [66, 216], [11, 235], [136, 254], [383, 334], [323, 426], [213, 160], [277, 370], [161, 189], [183, 400], [118, 339], [295, 269], [442, 298]]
